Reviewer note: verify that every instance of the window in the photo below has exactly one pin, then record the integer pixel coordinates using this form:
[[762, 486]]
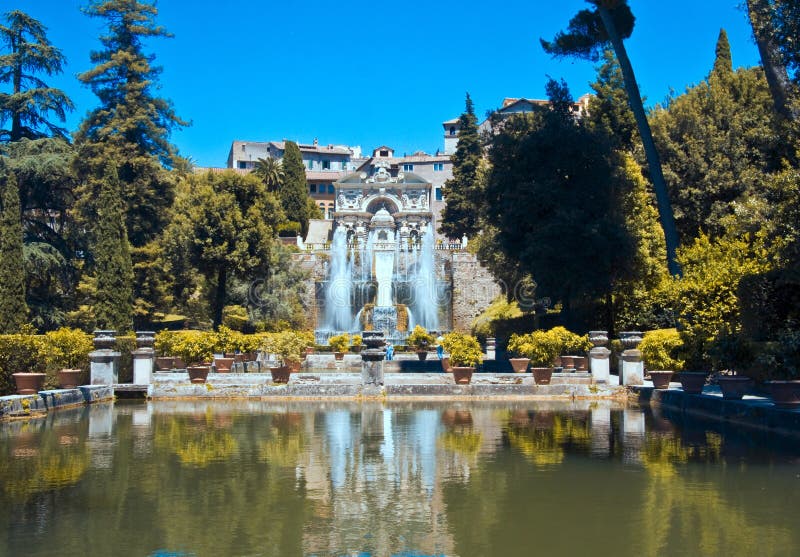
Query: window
[[408, 167], [242, 164], [439, 195], [326, 165], [331, 189], [243, 149], [384, 153], [311, 165], [330, 212], [438, 166], [312, 188], [452, 130]]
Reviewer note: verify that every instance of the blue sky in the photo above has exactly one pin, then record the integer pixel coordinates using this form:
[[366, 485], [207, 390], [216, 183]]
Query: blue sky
[[371, 73]]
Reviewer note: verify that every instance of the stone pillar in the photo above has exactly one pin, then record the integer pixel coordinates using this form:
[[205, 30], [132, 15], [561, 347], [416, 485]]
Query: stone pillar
[[599, 364], [144, 357], [372, 358], [631, 367], [491, 348], [104, 361]]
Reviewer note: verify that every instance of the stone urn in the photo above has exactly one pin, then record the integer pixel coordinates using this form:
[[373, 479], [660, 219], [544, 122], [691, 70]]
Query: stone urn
[[734, 387], [661, 379], [198, 373], [692, 382], [519, 365], [104, 339], [630, 339], [29, 383], [145, 339], [69, 378], [462, 375], [542, 375], [598, 338]]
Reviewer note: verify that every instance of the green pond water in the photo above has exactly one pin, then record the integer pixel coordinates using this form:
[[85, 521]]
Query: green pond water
[[260, 478]]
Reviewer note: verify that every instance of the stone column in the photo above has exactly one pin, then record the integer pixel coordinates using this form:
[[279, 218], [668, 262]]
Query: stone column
[[631, 367], [491, 348], [104, 361], [599, 364], [144, 357], [372, 358]]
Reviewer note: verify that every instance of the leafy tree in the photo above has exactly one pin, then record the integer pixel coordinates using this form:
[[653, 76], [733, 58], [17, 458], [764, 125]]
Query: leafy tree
[[271, 173], [31, 100], [223, 228], [111, 259], [13, 310], [589, 33], [549, 195], [294, 191], [609, 111], [719, 142], [131, 126], [462, 191]]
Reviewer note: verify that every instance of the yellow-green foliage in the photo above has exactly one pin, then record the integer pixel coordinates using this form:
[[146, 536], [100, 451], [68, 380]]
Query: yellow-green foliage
[[484, 325], [357, 341], [570, 343], [289, 345], [68, 348], [660, 348], [195, 347], [542, 347], [465, 350], [235, 317], [19, 353], [339, 343], [420, 338]]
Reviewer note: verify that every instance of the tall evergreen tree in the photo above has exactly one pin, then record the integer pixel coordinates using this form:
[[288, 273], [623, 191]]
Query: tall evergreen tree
[[13, 309], [113, 271], [31, 100], [589, 33], [462, 191], [723, 62], [132, 125], [294, 191], [609, 111]]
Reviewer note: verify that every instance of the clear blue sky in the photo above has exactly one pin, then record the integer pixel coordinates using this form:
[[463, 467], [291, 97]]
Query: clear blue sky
[[373, 73]]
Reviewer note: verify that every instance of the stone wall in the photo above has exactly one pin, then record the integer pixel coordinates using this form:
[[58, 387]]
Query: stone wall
[[473, 290]]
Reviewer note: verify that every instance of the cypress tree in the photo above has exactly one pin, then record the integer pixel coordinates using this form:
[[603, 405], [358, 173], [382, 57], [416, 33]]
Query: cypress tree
[[112, 259], [462, 191], [723, 63], [294, 191], [13, 309]]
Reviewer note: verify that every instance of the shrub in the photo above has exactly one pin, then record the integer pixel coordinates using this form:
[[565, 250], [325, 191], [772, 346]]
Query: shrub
[[67, 348], [195, 347], [235, 317], [541, 347], [289, 345], [569, 343], [19, 353], [166, 341], [659, 349], [465, 350], [339, 343], [420, 339], [125, 345]]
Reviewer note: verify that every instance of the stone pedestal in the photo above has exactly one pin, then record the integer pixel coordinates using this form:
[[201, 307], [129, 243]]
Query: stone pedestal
[[631, 368], [372, 358], [600, 364], [104, 367], [491, 348], [143, 361]]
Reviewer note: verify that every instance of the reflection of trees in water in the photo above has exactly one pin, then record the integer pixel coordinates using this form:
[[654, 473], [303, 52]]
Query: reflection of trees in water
[[41, 459], [197, 440], [286, 441], [544, 437]]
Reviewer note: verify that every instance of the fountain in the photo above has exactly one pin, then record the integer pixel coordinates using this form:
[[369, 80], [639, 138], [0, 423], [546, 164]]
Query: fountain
[[372, 358]]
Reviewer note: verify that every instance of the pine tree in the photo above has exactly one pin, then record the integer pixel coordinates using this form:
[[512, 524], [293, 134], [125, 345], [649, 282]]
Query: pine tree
[[113, 271], [723, 62], [609, 111], [294, 191], [13, 309], [30, 101], [462, 191], [131, 127]]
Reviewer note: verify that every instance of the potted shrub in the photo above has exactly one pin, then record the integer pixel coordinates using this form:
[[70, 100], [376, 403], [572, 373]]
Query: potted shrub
[[290, 346], [465, 354], [164, 344], [572, 347], [67, 350], [781, 359], [196, 349], [658, 349], [339, 344], [516, 345], [542, 348], [730, 353], [420, 340], [23, 353]]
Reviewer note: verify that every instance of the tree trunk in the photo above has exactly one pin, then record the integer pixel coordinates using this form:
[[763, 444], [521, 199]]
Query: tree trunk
[[771, 59], [653, 160], [219, 296]]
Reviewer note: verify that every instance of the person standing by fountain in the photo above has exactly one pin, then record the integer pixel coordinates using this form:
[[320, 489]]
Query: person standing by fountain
[[389, 352], [439, 347]]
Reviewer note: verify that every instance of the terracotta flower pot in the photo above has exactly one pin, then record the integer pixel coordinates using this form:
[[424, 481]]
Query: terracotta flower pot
[[69, 378], [462, 375], [29, 383], [734, 387], [165, 363], [280, 374], [542, 375], [198, 374], [338, 355], [581, 363], [293, 365], [661, 379], [519, 365], [692, 382], [785, 394], [567, 362], [446, 364], [422, 355], [224, 365]]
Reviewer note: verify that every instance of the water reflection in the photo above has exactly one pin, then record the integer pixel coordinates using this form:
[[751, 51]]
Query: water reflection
[[421, 479]]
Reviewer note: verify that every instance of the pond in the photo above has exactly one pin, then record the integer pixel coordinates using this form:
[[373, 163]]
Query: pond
[[256, 478]]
